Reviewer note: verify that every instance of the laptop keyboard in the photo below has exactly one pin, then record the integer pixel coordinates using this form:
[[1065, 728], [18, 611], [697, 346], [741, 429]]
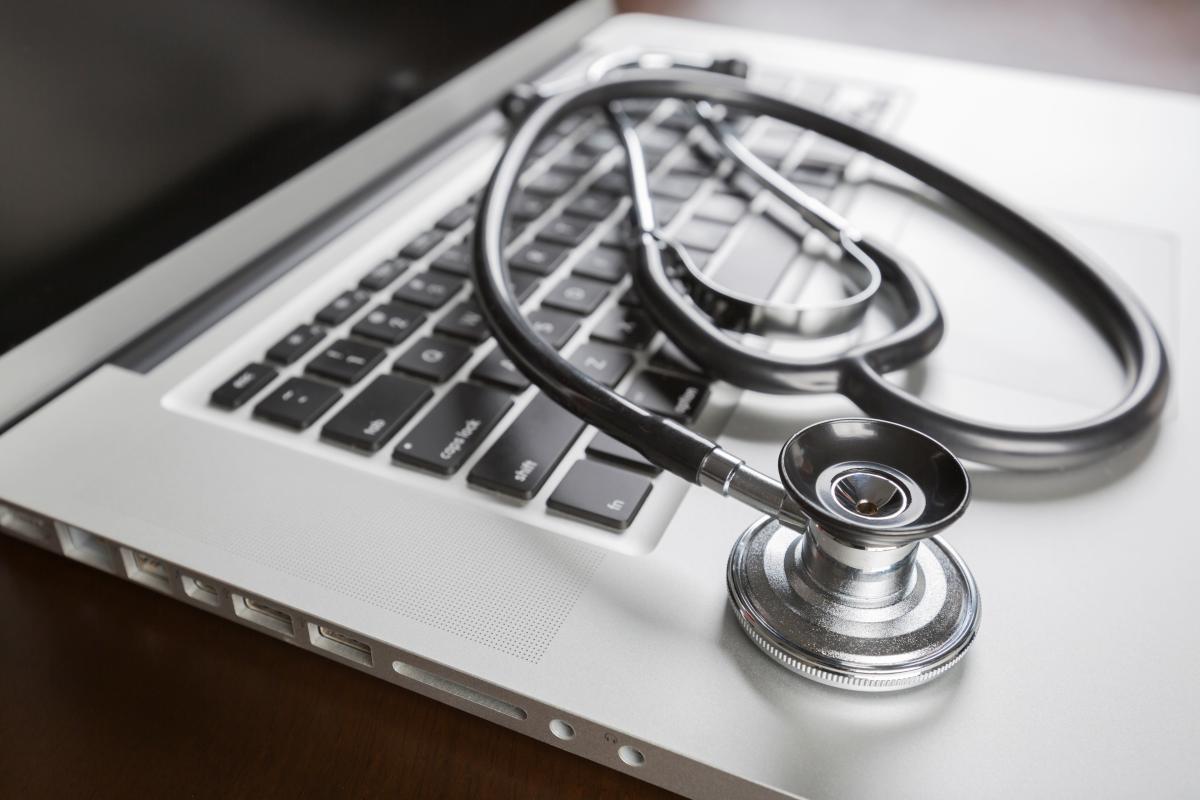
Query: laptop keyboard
[[569, 261]]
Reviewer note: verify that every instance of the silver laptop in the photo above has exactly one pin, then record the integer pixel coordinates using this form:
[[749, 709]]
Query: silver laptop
[[196, 340]]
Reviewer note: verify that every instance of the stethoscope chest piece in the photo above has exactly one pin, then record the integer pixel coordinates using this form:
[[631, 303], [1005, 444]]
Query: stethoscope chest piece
[[865, 597]]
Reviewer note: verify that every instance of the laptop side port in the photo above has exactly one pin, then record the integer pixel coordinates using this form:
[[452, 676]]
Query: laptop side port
[[84, 547], [201, 590], [263, 614], [146, 570], [25, 524], [459, 690], [334, 641]]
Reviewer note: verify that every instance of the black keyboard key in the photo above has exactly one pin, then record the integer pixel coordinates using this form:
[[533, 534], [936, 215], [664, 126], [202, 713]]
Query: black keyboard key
[[600, 140], [346, 361], [665, 209], [672, 359], [499, 370], [607, 448], [594, 205], [669, 395], [456, 260], [298, 403], [620, 236], [600, 494], [540, 258], [571, 231], [630, 299], [528, 207], [390, 323], [702, 234], [552, 183], [724, 208], [546, 143], [602, 362], [627, 327], [613, 182], [554, 326], [676, 187], [379, 411], [523, 285], [521, 460], [384, 274], [451, 432], [607, 264], [429, 289], [433, 359], [249, 381], [421, 245], [578, 160], [456, 217], [288, 349], [577, 295], [466, 322], [341, 308], [815, 175], [662, 138]]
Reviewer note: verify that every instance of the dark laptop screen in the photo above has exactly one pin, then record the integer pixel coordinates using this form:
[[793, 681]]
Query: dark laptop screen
[[131, 126]]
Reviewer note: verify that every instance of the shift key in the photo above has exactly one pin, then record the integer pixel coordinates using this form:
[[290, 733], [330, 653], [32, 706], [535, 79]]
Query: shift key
[[451, 432], [521, 460]]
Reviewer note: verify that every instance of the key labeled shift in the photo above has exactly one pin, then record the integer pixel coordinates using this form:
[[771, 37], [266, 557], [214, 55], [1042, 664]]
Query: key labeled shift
[[453, 429], [521, 460]]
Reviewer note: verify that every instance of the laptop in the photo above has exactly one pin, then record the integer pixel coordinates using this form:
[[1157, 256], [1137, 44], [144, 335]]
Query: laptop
[[242, 368]]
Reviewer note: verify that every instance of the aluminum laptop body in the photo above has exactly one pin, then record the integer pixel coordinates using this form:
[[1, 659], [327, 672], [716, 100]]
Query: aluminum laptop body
[[619, 646]]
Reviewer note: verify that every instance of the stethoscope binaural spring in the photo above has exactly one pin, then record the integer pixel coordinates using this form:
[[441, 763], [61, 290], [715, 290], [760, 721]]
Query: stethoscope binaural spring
[[859, 547]]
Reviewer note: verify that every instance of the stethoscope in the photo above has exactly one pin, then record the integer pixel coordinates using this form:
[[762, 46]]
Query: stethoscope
[[843, 580]]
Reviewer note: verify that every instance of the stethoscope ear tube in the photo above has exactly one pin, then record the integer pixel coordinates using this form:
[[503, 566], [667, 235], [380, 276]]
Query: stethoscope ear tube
[[858, 373]]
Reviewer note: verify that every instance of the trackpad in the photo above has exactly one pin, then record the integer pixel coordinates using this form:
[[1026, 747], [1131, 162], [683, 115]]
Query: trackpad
[[1016, 350]]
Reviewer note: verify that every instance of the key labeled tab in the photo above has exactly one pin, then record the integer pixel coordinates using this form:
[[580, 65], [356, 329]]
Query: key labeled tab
[[453, 429], [600, 494], [521, 460], [369, 420]]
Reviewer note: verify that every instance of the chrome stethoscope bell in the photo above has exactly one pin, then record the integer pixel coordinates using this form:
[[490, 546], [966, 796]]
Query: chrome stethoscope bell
[[863, 598]]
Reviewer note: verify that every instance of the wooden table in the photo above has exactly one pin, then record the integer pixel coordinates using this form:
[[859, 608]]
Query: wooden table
[[107, 690]]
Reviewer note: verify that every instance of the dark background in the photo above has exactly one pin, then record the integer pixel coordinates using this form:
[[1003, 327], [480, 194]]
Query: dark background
[[108, 690], [130, 126]]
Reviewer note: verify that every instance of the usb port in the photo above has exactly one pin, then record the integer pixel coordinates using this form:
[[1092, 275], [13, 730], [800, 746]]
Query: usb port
[[263, 614], [334, 641], [200, 590], [25, 524], [146, 570]]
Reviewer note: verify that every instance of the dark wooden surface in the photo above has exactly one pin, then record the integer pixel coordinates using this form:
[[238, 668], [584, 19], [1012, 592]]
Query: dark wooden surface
[[108, 690]]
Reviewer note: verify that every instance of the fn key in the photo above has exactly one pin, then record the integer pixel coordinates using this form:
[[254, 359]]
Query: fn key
[[600, 494]]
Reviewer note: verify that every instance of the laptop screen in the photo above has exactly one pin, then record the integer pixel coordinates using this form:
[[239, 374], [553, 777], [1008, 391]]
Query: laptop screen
[[131, 126]]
